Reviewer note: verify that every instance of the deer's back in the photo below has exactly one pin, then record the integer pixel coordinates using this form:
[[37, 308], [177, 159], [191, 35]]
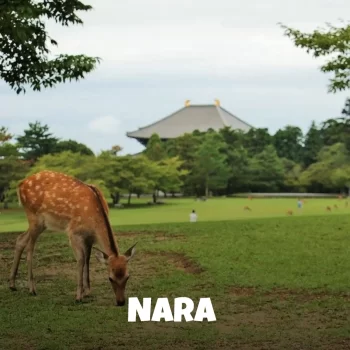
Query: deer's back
[[60, 201]]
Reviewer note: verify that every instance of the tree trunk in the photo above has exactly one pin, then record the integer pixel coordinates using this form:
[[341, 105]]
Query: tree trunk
[[138, 195], [206, 188], [115, 198], [129, 199], [173, 194], [154, 197], [6, 205], [165, 196]]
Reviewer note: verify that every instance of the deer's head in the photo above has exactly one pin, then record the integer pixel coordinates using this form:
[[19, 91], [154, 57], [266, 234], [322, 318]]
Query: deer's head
[[118, 274]]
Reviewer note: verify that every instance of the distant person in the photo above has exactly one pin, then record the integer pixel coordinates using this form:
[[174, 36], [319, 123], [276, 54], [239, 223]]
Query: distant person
[[300, 203], [193, 216]]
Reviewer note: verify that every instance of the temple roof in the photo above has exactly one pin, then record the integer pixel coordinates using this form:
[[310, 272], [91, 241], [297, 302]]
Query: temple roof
[[190, 118]]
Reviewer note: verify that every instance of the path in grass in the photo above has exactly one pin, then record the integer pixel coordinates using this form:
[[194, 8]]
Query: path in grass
[[177, 210], [277, 283]]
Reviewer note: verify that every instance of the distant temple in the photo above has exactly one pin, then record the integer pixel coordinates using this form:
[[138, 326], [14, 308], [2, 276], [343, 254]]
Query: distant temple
[[189, 119]]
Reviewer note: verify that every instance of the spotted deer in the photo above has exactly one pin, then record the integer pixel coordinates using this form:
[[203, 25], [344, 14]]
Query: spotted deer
[[59, 202]]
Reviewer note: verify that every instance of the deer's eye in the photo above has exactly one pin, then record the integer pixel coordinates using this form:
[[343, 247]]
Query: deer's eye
[[110, 280]]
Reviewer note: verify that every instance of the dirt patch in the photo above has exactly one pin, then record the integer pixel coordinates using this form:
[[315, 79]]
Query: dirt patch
[[180, 261], [46, 273], [138, 233], [285, 294], [243, 291], [7, 245], [168, 237], [158, 235]]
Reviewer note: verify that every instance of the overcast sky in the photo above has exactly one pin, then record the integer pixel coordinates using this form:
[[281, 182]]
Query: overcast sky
[[157, 54]]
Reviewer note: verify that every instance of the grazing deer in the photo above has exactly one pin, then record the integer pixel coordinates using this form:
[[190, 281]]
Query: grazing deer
[[328, 208], [247, 208], [56, 201], [335, 206], [290, 212]]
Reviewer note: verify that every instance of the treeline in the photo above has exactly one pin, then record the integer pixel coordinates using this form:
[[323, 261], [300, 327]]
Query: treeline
[[218, 163]]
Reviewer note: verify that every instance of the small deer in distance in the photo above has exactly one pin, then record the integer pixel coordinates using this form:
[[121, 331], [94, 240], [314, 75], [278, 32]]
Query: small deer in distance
[[58, 202]]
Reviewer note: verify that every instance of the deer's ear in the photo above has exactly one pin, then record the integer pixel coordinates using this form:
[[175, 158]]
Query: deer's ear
[[130, 252], [101, 256]]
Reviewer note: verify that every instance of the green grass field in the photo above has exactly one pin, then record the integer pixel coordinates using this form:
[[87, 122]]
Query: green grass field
[[276, 282], [177, 210]]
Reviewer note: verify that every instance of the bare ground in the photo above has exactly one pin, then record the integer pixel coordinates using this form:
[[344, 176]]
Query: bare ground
[[180, 261]]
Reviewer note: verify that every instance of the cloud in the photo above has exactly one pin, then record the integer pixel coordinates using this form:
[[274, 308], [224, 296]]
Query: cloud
[[155, 55], [105, 125]]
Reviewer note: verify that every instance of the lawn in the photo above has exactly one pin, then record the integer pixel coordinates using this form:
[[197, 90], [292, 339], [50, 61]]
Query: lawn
[[276, 282], [178, 210]]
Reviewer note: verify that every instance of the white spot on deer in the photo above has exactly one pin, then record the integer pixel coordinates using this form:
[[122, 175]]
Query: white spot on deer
[[41, 193], [52, 175], [37, 187], [37, 176], [85, 208], [78, 206], [30, 183], [79, 218], [44, 206]]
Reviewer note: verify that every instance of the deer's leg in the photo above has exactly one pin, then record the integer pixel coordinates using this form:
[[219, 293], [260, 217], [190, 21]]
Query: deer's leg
[[21, 243], [34, 230], [79, 252], [86, 275], [30, 249]]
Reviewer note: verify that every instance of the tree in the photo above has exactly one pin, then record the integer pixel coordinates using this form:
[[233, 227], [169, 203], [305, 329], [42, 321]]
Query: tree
[[185, 147], [155, 149], [292, 172], [170, 175], [137, 175], [238, 162], [346, 110], [11, 169], [211, 171], [266, 172], [256, 140], [24, 51], [332, 43], [73, 146], [6, 148], [288, 143], [37, 141], [312, 145], [4, 135], [332, 170], [73, 164]]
